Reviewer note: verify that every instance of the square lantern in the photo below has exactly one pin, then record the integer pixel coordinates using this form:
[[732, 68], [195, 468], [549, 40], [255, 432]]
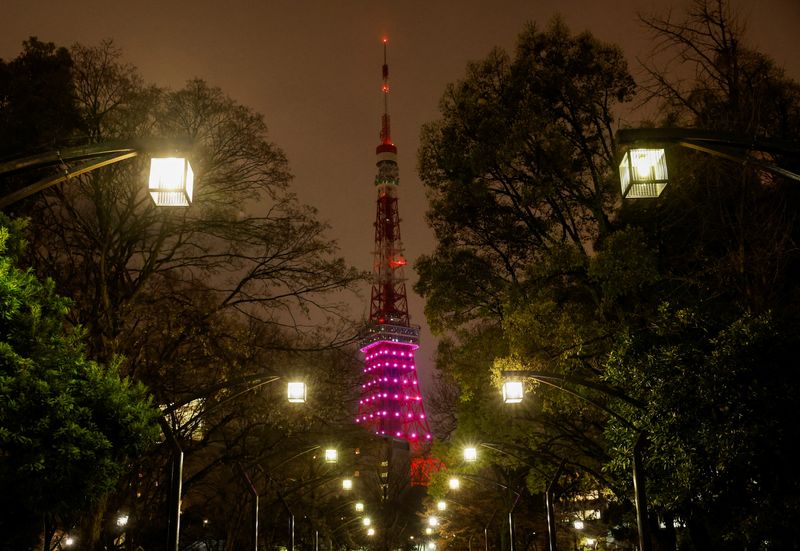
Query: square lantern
[[470, 454], [643, 173], [331, 455], [347, 484], [454, 483], [441, 505], [296, 392], [359, 507], [171, 181], [513, 392]]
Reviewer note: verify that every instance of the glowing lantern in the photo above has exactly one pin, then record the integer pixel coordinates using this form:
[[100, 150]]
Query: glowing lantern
[[171, 181]]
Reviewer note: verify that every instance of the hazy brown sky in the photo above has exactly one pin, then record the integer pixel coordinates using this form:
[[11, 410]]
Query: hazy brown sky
[[313, 68]]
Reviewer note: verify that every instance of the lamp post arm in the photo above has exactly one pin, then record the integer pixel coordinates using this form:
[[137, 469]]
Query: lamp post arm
[[221, 386], [67, 174], [710, 142], [548, 378], [95, 156]]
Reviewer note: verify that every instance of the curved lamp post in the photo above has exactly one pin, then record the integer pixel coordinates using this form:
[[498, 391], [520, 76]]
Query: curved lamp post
[[643, 169], [176, 465], [171, 180], [471, 455], [455, 485], [515, 392]]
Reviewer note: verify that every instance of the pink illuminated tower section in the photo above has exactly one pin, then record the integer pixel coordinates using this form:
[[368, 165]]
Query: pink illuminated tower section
[[390, 404]]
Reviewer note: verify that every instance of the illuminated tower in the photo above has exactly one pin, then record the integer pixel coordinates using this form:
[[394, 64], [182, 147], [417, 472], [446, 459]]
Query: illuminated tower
[[390, 404]]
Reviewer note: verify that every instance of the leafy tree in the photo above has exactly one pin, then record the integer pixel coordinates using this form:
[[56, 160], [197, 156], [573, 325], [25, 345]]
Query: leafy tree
[[243, 285], [686, 304], [68, 425], [520, 198], [37, 99]]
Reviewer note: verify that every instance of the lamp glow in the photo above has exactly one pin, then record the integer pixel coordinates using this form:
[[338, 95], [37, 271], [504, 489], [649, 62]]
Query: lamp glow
[[433, 521], [171, 181], [359, 506], [347, 484], [513, 392], [366, 521], [454, 483], [331, 455], [578, 524], [470, 454], [441, 505], [371, 531], [643, 173], [296, 392]]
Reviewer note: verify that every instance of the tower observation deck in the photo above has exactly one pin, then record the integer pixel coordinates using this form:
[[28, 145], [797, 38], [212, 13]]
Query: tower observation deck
[[390, 404]]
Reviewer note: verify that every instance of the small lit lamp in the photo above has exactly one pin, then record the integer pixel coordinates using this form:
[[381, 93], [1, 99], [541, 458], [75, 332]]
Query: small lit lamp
[[122, 520], [470, 454], [578, 524], [513, 392], [371, 531], [454, 483], [359, 506], [428, 531], [643, 173], [366, 521], [171, 181], [433, 521], [347, 484], [331, 455], [297, 392], [441, 505]]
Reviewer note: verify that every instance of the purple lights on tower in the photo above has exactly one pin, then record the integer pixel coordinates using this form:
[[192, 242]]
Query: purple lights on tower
[[391, 403], [390, 399]]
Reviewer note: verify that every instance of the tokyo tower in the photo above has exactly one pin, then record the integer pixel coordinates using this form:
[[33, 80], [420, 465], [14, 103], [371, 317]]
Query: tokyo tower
[[390, 403]]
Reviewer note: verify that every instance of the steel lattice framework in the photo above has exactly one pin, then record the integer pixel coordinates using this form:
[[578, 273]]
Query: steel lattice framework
[[391, 403]]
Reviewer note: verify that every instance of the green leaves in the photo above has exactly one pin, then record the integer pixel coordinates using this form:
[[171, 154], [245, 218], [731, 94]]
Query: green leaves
[[67, 424]]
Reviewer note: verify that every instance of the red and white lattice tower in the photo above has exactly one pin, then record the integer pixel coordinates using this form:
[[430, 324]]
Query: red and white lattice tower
[[391, 403]]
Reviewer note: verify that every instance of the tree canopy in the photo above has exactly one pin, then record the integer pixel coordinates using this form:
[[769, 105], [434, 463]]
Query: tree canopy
[[68, 425], [684, 306]]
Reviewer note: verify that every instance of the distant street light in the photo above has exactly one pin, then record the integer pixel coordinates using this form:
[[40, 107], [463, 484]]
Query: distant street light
[[296, 392], [366, 521], [513, 392], [470, 454], [359, 506], [558, 381], [347, 484], [441, 505], [454, 483], [331, 455]]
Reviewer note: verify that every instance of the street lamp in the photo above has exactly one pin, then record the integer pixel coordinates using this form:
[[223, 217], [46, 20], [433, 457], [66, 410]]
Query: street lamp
[[347, 484], [359, 506], [441, 505], [643, 170], [296, 392], [556, 380], [331, 455], [171, 181], [470, 454], [454, 483]]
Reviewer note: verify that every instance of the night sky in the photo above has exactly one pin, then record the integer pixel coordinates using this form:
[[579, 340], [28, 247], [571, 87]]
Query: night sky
[[313, 69]]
